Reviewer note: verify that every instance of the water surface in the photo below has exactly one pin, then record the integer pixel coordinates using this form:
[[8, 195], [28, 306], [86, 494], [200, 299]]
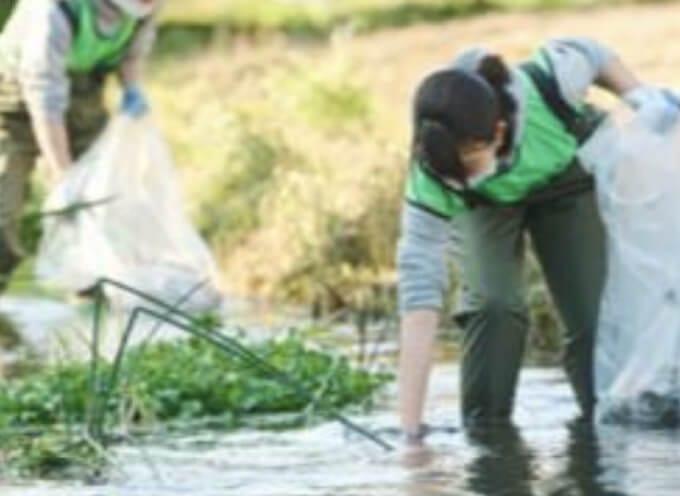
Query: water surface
[[544, 455]]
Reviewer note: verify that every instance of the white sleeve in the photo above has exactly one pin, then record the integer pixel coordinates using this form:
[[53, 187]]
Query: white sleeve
[[425, 244], [44, 52]]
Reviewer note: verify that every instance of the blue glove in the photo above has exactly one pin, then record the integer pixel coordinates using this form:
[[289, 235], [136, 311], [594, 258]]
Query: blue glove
[[134, 103], [659, 108], [671, 97]]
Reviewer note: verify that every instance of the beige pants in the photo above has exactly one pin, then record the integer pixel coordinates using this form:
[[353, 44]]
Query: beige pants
[[19, 152]]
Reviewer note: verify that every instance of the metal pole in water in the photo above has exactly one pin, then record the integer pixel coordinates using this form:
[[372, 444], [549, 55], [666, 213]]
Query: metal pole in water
[[225, 343]]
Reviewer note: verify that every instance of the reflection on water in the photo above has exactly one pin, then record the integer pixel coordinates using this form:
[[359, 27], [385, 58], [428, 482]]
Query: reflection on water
[[503, 464], [543, 455]]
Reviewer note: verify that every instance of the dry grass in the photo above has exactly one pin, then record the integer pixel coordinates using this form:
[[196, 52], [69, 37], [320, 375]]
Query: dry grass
[[345, 166], [322, 16]]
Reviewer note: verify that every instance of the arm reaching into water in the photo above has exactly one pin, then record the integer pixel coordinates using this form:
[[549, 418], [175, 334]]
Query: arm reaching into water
[[423, 278]]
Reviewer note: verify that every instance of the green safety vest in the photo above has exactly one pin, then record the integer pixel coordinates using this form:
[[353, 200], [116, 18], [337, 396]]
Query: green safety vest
[[547, 148], [92, 51]]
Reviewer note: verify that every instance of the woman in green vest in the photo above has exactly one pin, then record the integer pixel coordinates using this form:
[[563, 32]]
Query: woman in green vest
[[54, 59], [494, 160]]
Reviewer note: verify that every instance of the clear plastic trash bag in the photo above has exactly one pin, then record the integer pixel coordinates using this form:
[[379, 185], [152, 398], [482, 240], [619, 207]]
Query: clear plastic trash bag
[[637, 351], [135, 229]]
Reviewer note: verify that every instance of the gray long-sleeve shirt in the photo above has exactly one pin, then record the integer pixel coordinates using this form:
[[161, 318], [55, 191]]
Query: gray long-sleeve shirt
[[427, 241], [35, 45]]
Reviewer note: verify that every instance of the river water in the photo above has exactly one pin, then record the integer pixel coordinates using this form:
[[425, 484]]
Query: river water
[[544, 455]]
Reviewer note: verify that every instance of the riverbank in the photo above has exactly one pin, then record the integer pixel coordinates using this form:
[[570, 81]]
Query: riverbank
[[293, 154]]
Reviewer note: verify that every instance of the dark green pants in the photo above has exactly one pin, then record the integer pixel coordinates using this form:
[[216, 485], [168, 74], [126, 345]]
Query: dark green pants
[[19, 152], [568, 238]]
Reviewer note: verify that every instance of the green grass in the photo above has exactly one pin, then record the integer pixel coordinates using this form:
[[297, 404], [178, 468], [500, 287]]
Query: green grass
[[182, 26], [186, 380], [322, 17], [312, 17], [5, 10]]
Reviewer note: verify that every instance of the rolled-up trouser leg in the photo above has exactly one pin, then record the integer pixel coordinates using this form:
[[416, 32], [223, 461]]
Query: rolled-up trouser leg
[[492, 312], [569, 240]]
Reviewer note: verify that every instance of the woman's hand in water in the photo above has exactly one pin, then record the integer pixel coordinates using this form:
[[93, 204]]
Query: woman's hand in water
[[414, 452]]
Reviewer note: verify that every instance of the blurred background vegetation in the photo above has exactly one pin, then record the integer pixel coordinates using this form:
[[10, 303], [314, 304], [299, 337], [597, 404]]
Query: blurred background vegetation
[[320, 16], [290, 124]]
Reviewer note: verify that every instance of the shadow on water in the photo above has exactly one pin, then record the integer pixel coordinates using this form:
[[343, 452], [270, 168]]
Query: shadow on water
[[547, 455], [585, 472], [504, 463], [509, 466]]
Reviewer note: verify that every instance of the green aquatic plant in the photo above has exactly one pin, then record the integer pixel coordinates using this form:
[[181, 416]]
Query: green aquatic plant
[[51, 454], [170, 385]]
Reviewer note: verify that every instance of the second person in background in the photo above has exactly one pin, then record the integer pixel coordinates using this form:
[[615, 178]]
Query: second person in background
[[54, 59]]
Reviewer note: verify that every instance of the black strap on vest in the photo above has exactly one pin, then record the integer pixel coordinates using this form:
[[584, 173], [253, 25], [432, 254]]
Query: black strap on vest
[[550, 93], [578, 124], [71, 16]]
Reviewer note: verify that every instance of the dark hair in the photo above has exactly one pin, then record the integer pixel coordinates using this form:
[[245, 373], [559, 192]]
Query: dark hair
[[454, 106], [496, 73]]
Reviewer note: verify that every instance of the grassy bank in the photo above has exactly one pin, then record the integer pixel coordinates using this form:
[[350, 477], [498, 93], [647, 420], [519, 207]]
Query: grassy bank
[[293, 155], [205, 19], [321, 17], [290, 169]]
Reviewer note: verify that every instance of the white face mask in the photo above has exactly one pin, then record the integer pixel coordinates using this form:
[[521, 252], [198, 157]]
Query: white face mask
[[481, 176]]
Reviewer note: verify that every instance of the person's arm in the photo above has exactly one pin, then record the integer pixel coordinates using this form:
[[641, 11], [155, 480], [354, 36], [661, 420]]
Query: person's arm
[[45, 85], [579, 63], [417, 336], [133, 65], [134, 100], [616, 77], [53, 141], [423, 279]]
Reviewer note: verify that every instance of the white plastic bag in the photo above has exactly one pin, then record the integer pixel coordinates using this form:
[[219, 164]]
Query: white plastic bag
[[136, 232], [637, 352]]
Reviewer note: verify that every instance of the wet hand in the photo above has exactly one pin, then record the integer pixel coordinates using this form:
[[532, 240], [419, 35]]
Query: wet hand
[[415, 455]]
